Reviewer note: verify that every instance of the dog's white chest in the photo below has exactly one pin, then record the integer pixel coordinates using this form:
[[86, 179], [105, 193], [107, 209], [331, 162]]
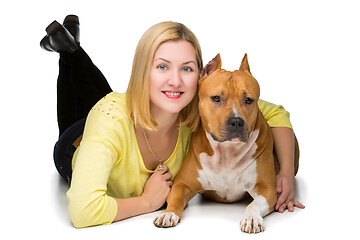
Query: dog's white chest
[[231, 171]]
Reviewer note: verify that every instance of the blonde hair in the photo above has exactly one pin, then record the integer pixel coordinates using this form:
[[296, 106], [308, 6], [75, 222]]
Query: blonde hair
[[137, 94]]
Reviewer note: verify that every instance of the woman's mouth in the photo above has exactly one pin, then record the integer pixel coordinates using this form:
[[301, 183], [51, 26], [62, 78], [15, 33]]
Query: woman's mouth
[[172, 94]]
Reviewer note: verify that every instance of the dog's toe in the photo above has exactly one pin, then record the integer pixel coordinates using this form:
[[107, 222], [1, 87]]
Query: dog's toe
[[166, 219], [252, 224]]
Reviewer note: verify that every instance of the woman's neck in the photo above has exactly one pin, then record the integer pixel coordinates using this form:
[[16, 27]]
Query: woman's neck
[[166, 122], [159, 144]]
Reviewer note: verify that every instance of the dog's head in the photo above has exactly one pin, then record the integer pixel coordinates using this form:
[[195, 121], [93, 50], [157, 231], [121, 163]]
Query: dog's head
[[228, 101]]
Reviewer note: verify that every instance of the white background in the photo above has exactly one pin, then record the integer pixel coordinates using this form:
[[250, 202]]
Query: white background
[[305, 55]]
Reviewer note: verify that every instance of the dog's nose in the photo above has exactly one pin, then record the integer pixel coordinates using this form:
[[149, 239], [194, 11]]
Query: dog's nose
[[235, 123]]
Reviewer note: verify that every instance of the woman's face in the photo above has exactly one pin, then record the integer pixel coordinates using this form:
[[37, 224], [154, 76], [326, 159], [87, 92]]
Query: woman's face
[[173, 77]]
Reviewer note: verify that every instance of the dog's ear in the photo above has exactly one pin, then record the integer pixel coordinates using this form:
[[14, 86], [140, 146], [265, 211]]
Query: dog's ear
[[214, 64], [245, 64]]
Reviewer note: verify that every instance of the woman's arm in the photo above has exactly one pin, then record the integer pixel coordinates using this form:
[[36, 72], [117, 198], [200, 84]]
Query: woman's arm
[[284, 146], [130, 207]]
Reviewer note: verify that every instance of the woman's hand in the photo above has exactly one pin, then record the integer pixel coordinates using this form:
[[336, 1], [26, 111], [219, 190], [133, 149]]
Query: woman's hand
[[157, 188], [284, 187]]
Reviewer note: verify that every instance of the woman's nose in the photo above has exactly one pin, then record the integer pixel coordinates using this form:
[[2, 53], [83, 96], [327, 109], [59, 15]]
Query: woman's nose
[[175, 79]]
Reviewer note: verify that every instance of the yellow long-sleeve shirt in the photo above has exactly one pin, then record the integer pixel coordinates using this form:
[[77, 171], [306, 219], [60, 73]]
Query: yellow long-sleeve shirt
[[108, 163]]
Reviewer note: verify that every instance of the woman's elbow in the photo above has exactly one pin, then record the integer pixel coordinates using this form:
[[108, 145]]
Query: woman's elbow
[[79, 217], [97, 212]]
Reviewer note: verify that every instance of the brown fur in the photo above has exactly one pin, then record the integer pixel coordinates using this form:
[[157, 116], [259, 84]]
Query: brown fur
[[237, 86]]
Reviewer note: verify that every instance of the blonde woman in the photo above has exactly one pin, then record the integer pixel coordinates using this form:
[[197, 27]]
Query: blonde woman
[[121, 160]]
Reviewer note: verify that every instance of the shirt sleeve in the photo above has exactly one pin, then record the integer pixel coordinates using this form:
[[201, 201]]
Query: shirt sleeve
[[275, 115], [89, 204]]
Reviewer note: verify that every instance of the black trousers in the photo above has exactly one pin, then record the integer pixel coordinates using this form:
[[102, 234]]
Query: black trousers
[[80, 85]]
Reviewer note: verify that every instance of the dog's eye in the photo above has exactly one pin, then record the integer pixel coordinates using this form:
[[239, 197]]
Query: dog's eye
[[248, 101], [216, 99]]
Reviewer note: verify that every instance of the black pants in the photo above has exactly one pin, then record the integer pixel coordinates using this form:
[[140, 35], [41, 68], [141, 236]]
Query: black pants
[[80, 85]]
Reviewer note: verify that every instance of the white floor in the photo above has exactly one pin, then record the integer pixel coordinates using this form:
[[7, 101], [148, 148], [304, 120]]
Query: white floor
[[201, 218], [305, 55], [205, 219]]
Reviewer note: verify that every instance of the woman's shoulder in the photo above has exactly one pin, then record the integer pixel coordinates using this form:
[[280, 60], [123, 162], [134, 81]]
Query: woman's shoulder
[[275, 115], [185, 132], [268, 108], [108, 112], [112, 105], [185, 136]]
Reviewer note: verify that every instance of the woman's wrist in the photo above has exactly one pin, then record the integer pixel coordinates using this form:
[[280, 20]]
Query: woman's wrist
[[287, 171], [130, 207], [146, 203]]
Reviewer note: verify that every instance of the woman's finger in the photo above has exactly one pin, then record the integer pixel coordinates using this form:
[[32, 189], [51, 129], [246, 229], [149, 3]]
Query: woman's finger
[[298, 204], [290, 205], [167, 176], [281, 200], [162, 169]]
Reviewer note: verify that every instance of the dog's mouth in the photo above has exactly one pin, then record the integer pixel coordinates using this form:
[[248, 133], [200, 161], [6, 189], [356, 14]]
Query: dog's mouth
[[235, 137], [243, 136], [234, 130], [235, 140]]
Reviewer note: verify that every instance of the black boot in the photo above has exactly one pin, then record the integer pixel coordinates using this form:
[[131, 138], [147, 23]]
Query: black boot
[[58, 39], [72, 24]]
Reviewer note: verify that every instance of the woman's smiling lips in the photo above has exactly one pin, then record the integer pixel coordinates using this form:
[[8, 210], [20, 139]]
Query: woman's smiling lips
[[172, 94]]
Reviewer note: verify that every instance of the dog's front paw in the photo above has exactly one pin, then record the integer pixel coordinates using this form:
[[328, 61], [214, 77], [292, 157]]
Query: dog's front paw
[[252, 224], [166, 219]]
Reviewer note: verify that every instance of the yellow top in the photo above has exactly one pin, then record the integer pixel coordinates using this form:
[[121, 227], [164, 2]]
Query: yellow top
[[275, 115], [108, 162]]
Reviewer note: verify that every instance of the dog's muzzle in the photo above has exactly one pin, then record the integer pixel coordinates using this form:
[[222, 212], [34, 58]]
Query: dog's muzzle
[[235, 123], [236, 129]]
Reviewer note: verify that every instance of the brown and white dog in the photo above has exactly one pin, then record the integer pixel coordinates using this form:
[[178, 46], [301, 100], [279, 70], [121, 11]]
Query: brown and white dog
[[232, 152]]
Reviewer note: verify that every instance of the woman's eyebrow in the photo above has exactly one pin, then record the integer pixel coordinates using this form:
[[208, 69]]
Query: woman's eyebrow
[[190, 62], [162, 59], [168, 61]]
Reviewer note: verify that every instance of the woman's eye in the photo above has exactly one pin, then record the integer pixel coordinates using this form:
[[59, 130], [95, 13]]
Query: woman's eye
[[162, 67], [187, 69]]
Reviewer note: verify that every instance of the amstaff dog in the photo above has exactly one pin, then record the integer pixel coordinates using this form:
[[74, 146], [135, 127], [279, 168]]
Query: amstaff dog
[[232, 152]]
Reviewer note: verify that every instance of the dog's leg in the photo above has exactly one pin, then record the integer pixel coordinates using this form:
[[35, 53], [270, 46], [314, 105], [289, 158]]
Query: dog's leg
[[265, 197], [253, 221], [179, 196]]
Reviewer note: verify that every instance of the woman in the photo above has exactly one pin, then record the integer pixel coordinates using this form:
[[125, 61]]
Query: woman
[[133, 144]]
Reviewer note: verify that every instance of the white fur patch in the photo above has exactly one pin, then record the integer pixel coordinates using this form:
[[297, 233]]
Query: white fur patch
[[253, 221], [231, 171], [166, 219], [235, 111]]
